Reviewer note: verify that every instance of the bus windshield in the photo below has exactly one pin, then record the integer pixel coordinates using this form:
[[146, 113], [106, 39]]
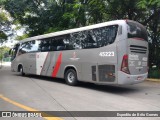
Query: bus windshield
[[136, 30], [13, 51]]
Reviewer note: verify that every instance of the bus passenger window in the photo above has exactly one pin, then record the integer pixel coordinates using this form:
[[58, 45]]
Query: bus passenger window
[[67, 42], [23, 48], [109, 34], [44, 45], [34, 46], [75, 40], [90, 42], [58, 43], [96, 37]]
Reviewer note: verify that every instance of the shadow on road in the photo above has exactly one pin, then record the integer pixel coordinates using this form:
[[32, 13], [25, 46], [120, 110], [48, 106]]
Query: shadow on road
[[116, 89], [45, 78], [111, 88]]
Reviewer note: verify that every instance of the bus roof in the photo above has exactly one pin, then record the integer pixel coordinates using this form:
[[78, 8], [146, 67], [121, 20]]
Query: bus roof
[[53, 34]]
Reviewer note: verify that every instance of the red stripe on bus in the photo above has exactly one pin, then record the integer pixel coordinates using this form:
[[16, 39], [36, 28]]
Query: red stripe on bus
[[44, 63], [57, 65]]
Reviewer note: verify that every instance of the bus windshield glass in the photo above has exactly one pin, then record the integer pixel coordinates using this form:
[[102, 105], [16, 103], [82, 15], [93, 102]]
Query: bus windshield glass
[[13, 51], [136, 30]]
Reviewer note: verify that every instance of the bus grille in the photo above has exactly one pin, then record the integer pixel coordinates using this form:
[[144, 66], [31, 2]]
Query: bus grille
[[106, 73], [138, 49]]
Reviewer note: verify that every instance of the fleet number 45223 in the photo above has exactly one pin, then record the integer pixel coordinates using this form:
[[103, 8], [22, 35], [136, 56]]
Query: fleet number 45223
[[108, 54]]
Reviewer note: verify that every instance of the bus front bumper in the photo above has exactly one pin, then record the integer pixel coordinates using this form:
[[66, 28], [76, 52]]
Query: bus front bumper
[[124, 78]]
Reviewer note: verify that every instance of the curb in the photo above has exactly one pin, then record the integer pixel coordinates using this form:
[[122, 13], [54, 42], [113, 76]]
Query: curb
[[153, 80]]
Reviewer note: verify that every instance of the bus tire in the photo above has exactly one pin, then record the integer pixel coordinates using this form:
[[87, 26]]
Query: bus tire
[[21, 71], [71, 77]]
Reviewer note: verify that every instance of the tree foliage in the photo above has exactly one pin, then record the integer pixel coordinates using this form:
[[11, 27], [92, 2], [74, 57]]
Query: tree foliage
[[3, 50], [22, 37], [3, 36], [152, 21], [3, 26], [45, 16]]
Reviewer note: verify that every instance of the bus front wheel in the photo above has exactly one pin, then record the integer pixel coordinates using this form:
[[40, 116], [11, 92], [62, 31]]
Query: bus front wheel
[[71, 77], [21, 71]]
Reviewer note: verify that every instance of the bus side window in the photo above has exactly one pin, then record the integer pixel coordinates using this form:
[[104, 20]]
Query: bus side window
[[96, 36], [67, 42], [34, 46], [109, 34], [90, 41], [23, 49], [44, 45], [75, 40], [53, 45], [60, 44]]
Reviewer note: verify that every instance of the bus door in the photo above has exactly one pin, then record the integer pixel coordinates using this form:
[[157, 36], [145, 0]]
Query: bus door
[[31, 62], [48, 63], [42, 62], [13, 54], [49, 59], [56, 47], [29, 59]]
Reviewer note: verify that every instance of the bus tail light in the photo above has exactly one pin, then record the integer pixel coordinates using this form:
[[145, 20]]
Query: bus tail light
[[124, 65]]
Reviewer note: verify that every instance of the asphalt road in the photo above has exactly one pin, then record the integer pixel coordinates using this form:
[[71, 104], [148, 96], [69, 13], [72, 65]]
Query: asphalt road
[[31, 93]]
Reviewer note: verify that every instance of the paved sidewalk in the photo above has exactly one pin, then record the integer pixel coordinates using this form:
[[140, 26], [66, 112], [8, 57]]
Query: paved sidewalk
[[153, 80], [5, 64]]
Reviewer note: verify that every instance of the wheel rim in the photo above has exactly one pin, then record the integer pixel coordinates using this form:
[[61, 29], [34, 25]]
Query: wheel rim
[[71, 77]]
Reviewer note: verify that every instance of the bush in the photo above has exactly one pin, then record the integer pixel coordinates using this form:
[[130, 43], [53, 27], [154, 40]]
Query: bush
[[154, 73]]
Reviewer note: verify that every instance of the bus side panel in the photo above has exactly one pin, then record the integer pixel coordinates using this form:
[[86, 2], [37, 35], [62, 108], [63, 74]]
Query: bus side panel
[[90, 65], [42, 63], [14, 66], [53, 64], [88, 58], [107, 64], [98, 65], [71, 59], [22, 59], [31, 63], [122, 50]]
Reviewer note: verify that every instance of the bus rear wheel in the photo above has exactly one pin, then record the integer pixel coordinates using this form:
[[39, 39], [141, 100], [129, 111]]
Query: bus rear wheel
[[71, 77]]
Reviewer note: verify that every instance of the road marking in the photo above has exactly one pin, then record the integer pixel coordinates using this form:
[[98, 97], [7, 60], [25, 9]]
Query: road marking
[[28, 108]]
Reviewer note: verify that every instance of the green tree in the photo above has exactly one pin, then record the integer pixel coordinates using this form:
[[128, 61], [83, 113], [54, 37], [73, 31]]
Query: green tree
[[3, 25], [22, 37], [3, 50], [3, 36], [45, 16], [40, 16], [152, 21]]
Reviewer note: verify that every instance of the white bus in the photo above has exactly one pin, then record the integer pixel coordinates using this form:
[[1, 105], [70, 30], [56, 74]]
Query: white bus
[[114, 52]]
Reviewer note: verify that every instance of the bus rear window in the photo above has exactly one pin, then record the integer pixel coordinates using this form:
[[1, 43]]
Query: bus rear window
[[136, 30]]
